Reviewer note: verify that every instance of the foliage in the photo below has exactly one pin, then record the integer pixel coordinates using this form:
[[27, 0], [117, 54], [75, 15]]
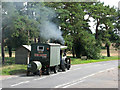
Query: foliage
[[21, 24], [17, 27], [24, 31], [9, 60], [115, 35], [86, 45], [75, 29], [104, 18]]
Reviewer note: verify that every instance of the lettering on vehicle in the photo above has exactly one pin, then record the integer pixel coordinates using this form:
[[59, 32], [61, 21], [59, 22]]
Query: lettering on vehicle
[[40, 55]]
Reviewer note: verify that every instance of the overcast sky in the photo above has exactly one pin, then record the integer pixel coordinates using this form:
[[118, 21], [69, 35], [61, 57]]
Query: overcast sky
[[110, 2]]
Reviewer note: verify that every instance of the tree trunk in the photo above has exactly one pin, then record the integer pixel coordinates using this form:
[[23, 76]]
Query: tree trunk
[[107, 45], [10, 51], [39, 39], [96, 35], [2, 48], [78, 55], [108, 50], [35, 40], [73, 52], [77, 52]]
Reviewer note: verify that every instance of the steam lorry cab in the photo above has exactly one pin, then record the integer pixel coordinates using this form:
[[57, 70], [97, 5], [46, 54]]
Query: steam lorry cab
[[46, 58]]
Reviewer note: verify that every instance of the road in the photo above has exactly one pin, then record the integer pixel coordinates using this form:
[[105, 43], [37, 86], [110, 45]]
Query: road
[[93, 75]]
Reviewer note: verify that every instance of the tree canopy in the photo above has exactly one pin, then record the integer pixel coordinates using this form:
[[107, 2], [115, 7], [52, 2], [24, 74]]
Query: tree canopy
[[28, 22]]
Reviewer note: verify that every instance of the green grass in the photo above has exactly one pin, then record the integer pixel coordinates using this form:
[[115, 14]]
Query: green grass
[[79, 61], [13, 69], [10, 68], [0, 48], [9, 60]]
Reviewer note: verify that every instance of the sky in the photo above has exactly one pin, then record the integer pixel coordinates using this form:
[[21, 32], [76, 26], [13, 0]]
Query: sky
[[111, 3]]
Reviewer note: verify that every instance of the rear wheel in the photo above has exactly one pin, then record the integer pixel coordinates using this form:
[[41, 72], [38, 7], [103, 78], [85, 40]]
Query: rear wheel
[[55, 69], [35, 73], [63, 68], [48, 71], [28, 73]]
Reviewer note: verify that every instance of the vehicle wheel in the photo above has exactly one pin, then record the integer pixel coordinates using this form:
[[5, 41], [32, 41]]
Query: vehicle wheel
[[68, 68], [28, 73], [55, 69], [63, 68], [68, 64], [48, 71], [35, 73]]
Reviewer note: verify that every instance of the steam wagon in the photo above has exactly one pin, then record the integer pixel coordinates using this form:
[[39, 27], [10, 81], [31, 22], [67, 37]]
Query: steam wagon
[[47, 58]]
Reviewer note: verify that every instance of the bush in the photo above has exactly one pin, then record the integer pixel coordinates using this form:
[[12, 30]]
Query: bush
[[103, 47], [86, 45]]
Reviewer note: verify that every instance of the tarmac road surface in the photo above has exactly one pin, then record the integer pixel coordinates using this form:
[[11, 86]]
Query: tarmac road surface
[[93, 75]]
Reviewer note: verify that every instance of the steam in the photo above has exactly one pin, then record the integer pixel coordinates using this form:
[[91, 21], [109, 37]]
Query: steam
[[48, 29], [44, 15]]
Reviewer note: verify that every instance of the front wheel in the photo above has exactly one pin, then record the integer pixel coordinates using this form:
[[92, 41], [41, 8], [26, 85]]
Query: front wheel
[[68, 63]]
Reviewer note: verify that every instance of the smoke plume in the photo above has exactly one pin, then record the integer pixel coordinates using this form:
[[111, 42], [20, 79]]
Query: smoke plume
[[48, 29]]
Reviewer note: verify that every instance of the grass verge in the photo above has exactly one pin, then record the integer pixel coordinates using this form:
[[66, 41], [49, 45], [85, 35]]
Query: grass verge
[[79, 61], [10, 68], [13, 69]]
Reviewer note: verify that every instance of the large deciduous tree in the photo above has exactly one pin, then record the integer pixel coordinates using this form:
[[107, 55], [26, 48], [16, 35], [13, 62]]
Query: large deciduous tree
[[104, 17], [18, 29], [75, 28]]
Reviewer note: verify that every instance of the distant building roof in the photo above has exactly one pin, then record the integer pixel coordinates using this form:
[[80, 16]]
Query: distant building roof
[[27, 47]]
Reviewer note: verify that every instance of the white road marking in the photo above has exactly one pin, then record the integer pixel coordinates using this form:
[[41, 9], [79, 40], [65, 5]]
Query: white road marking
[[73, 84], [68, 84], [41, 78], [76, 69], [19, 83], [80, 80]]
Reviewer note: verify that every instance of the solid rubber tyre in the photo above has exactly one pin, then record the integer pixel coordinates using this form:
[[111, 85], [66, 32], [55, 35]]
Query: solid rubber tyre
[[55, 69], [48, 71], [28, 73]]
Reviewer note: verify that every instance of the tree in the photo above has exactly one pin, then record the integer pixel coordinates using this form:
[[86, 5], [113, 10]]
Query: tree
[[7, 12], [103, 16], [116, 32], [17, 28], [75, 28]]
